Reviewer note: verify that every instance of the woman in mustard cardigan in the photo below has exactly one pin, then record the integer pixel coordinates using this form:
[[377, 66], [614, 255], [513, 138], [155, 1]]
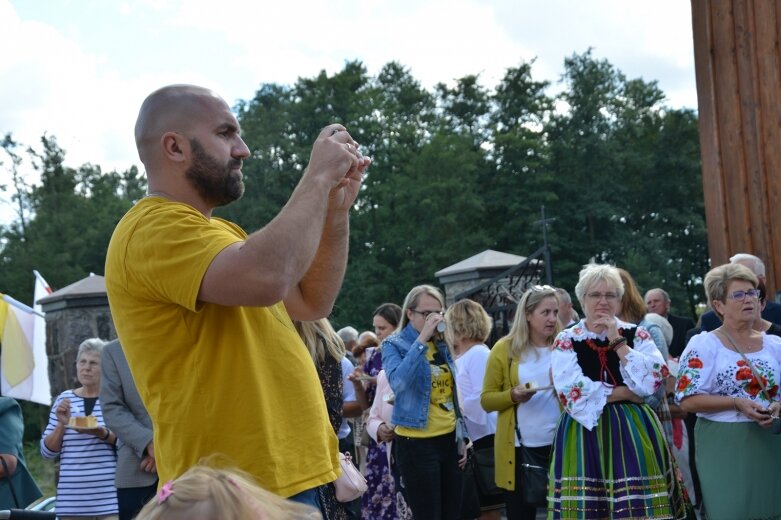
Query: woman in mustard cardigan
[[518, 364]]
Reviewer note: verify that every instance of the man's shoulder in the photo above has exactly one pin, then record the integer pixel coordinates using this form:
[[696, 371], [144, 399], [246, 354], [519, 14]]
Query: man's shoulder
[[709, 320], [680, 320], [772, 312]]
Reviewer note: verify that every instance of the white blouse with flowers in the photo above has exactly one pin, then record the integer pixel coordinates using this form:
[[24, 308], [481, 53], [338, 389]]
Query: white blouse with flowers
[[582, 397], [708, 367]]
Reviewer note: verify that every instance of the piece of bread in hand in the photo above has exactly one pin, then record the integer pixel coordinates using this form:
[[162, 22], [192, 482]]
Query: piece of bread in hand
[[90, 421]]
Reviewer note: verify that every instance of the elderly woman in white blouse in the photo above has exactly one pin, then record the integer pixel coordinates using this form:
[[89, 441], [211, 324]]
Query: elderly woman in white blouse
[[729, 377], [610, 456]]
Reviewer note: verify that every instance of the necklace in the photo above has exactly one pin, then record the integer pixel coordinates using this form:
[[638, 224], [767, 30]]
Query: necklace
[[602, 353], [733, 342]]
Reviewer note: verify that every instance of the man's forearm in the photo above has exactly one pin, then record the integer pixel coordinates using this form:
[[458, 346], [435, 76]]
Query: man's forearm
[[321, 283], [271, 262]]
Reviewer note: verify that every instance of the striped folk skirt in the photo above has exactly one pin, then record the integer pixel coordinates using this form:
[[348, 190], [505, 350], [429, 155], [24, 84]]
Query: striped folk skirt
[[622, 468]]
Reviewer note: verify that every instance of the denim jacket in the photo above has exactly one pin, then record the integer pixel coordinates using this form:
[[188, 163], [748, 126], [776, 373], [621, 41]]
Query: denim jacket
[[409, 374]]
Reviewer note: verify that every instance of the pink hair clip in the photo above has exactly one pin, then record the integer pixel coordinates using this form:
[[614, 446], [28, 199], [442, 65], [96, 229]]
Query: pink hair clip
[[166, 491]]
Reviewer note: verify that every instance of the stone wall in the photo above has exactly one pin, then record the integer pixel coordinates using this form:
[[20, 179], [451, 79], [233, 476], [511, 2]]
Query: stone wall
[[65, 330]]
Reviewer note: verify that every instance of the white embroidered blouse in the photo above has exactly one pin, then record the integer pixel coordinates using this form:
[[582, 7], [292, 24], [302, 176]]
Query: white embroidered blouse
[[583, 397], [708, 367]]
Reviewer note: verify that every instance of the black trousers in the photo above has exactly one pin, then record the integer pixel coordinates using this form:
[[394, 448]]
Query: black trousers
[[430, 476], [131, 500]]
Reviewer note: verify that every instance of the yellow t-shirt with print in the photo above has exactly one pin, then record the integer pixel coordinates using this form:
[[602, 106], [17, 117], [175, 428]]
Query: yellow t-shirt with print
[[235, 381], [441, 415]]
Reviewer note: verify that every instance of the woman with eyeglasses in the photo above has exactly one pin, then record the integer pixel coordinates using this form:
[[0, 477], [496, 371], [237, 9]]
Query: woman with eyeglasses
[[421, 373], [729, 377], [527, 417], [610, 457]]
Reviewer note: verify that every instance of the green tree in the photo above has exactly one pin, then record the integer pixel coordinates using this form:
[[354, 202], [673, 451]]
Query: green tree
[[72, 213], [521, 180]]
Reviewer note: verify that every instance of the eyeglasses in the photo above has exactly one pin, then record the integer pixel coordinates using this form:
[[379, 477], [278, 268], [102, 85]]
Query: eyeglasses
[[609, 296], [540, 288], [426, 314], [739, 296]]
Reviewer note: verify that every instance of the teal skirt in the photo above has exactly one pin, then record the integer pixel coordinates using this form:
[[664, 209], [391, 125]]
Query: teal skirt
[[740, 470]]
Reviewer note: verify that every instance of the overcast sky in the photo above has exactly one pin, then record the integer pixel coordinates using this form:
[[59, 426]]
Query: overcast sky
[[79, 69]]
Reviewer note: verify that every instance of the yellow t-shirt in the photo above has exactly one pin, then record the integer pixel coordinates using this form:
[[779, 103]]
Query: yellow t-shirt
[[441, 415], [236, 381]]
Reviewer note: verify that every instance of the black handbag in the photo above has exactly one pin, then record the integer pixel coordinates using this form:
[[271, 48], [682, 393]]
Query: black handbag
[[470, 501], [534, 477], [485, 472], [534, 473]]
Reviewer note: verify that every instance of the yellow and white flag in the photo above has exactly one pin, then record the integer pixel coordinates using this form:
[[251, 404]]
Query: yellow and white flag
[[24, 371]]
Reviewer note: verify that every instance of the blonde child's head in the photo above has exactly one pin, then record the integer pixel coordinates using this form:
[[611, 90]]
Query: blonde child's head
[[207, 493]]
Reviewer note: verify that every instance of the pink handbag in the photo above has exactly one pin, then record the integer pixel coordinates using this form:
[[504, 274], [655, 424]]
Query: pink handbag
[[350, 484]]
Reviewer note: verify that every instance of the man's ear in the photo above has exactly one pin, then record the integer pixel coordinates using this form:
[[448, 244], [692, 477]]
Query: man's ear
[[175, 147]]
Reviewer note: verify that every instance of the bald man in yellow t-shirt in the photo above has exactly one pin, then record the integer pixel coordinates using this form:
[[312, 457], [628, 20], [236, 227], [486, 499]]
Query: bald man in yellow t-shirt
[[204, 311]]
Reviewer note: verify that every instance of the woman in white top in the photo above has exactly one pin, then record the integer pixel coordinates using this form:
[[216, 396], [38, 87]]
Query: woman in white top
[[468, 326], [729, 377], [523, 358]]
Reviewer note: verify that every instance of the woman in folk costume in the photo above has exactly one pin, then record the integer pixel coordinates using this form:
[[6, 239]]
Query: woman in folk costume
[[610, 457]]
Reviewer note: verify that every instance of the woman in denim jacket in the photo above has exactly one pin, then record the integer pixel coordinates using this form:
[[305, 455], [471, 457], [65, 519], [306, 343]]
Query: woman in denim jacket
[[421, 373]]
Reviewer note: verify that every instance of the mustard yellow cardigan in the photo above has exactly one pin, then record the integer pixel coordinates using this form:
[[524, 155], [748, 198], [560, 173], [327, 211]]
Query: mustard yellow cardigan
[[500, 377]]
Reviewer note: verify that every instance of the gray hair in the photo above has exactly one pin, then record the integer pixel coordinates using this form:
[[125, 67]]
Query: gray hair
[[348, 334], [754, 263], [718, 279], [664, 294], [563, 295], [592, 274], [91, 345], [662, 323]]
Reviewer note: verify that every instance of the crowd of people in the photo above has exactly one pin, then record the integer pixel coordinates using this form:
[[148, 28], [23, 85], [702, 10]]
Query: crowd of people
[[230, 395]]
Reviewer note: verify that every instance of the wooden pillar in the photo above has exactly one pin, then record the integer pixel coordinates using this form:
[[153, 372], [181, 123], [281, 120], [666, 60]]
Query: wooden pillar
[[738, 67]]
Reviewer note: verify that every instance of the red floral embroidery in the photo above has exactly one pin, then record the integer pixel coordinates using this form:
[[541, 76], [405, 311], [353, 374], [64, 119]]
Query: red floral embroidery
[[642, 334], [683, 382], [744, 374], [575, 394], [695, 363], [753, 387], [665, 371], [563, 399], [773, 390], [563, 344], [741, 363]]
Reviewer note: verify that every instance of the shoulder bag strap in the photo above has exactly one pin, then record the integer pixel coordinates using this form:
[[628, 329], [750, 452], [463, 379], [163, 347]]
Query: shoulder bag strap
[[758, 378], [515, 407]]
